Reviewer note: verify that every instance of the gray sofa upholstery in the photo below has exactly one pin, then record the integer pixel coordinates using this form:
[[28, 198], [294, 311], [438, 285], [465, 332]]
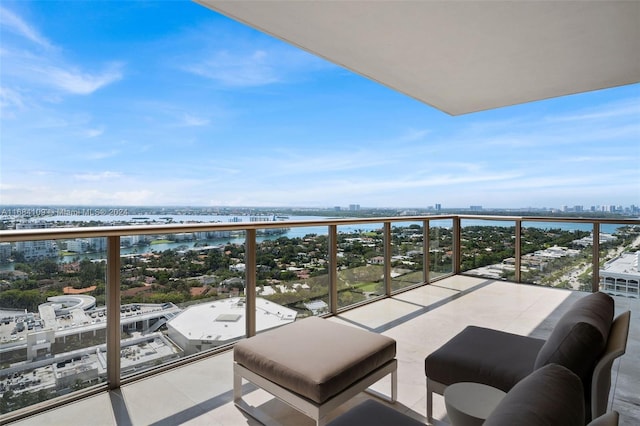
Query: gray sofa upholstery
[[551, 395], [502, 360]]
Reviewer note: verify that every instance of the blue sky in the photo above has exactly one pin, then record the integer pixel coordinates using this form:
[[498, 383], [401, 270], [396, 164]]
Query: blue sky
[[168, 103]]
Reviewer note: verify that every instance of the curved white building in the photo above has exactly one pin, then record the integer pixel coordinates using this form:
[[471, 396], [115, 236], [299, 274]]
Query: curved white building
[[64, 305]]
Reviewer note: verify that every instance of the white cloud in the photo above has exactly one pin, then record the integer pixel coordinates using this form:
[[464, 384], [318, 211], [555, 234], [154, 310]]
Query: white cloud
[[246, 66], [25, 65], [13, 23], [237, 70], [93, 133], [189, 120], [106, 197], [224, 170], [101, 155], [415, 135], [81, 83], [283, 162], [598, 159], [97, 176], [626, 108], [10, 100]]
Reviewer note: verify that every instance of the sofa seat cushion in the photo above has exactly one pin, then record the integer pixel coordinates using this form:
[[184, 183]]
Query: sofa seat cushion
[[315, 357], [483, 355], [580, 336], [551, 395]]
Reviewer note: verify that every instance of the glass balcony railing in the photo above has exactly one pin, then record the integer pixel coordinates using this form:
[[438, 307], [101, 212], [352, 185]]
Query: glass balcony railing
[[89, 308], [440, 248], [557, 254], [487, 248], [407, 255], [360, 256], [550, 252], [292, 276]]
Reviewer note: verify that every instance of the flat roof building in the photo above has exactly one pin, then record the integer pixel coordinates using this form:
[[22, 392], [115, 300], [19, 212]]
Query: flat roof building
[[620, 276], [207, 325]]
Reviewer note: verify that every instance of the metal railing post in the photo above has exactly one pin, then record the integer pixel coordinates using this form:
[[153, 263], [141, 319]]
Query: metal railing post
[[595, 275], [113, 312], [387, 258], [250, 256], [426, 256], [457, 249], [333, 268], [518, 251]]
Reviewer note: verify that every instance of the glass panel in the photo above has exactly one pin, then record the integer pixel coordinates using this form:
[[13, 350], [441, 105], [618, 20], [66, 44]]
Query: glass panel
[[619, 260], [440, 248], [557, 254], [407, 257], [52, 322], [488, 248], [360, 263], [292, 276], [181, 294]]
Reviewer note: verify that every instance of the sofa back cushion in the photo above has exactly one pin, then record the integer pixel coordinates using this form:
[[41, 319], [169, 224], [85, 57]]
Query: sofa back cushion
[[551, 395], [579, 338]]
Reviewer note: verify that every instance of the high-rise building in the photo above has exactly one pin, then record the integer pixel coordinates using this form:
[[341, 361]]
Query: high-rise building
[[36, 250], [5, 251]]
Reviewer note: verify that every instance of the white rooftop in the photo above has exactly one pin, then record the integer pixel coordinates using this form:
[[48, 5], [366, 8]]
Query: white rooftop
[[626, 263], [225, 319]]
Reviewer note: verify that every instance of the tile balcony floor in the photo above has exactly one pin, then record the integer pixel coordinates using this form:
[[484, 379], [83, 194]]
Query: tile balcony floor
[[420, 320]]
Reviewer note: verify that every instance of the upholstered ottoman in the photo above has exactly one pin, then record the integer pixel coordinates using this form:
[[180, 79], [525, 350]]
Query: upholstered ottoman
[[314, 365]]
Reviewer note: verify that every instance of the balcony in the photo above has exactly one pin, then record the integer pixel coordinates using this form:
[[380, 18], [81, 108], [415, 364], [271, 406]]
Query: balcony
[[408, 252], [420, 320]]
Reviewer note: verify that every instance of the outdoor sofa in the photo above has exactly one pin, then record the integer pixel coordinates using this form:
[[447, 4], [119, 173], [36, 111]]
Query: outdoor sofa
[[586, 340], [551, 395]]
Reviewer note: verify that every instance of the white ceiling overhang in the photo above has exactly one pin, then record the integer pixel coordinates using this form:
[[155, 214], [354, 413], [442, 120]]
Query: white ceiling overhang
[[462, 56]]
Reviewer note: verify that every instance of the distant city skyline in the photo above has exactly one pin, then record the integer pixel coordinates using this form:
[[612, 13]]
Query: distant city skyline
[[170, 104], [43, 210]]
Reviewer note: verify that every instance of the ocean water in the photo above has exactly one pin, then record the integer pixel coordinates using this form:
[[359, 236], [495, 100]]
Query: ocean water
[[302, 231], [293, 232]]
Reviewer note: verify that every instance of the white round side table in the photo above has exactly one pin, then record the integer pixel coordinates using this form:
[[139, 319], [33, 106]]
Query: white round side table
[[469, 404]]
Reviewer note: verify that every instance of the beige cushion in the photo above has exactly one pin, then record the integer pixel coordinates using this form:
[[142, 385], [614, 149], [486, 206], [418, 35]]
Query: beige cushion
[[315, 357]]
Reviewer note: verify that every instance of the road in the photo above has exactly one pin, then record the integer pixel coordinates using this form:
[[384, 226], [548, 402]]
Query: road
[[573, 275]]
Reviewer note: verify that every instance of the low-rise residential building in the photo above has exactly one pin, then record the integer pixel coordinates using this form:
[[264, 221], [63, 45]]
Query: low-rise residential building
[[620, 276]]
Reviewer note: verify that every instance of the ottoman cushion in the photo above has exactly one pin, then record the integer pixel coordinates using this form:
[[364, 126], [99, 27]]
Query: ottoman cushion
[[315, 357]]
